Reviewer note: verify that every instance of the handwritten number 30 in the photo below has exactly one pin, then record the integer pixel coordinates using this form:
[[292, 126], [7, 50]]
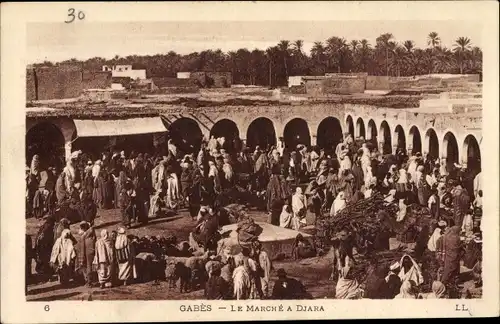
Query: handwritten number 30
[[72, 17]]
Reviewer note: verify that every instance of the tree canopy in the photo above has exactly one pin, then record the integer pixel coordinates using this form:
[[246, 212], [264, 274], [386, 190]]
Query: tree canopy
[[271, 67]]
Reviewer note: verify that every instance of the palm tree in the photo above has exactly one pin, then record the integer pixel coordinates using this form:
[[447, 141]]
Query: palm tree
[[384, 43], [336, 49], [284, 47], [461, 48], [318, 51], [409, 45], [298, 45], [433, 40], [364, 53], [354, 45], [399, 60]]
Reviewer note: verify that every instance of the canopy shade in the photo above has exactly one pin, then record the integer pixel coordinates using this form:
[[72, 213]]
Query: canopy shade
[[118, 127]]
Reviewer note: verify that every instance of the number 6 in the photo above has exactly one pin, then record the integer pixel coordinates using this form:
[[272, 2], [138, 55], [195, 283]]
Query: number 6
[[46, 308]]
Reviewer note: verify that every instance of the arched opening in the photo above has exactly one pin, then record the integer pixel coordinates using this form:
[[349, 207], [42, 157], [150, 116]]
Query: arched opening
[[371, 135], [385, 136], [229, 130], [415, 140], [360, 128], [472, 154], [329, 134], [450, 148], [350, 125], [261, 132], [46, 140], [185, 134], [296, 132], [431, 144], [400, 137]]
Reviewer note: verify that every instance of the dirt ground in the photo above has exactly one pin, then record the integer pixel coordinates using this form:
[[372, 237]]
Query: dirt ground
[[314, 275]]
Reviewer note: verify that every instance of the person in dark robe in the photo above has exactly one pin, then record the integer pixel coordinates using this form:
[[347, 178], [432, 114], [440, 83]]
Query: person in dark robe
[[126, 205], [62, 192], [44, 242], [87, 209], [421, 241], [186, 178], [346, 185], [357, 173], [422, 190], [120, 183], [375, 282], [332, 186], [393, 282], [286, 288], [194, 194], [109, 192], [452, 252], [216, 287], [85, 252], [275, 197], [381, 241], [461, 204], [88, 181]]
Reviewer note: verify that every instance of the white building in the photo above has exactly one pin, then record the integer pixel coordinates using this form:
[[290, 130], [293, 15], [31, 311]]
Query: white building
[[125, 71], [183, 75]]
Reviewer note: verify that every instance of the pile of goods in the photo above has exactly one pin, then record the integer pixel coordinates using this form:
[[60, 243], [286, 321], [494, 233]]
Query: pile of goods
[[367, 217]]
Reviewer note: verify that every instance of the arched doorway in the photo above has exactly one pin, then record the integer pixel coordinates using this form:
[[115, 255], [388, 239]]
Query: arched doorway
[[385, 137], [296, 132], [185, 134], [450, 148], [400, 138], [229, 130], [350, 125], [415, 140], [46, 140], [431, 146], [360, 128], [329, 134], [371, 135], [261, 132], [472, 154]]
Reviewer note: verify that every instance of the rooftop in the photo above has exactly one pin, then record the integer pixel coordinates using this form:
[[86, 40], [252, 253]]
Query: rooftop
[[100, 103]]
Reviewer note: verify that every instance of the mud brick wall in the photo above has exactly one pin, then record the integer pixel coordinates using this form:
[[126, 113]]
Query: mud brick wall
[[166, 82], [199, 78], [344, 85], [58, 83], [124, 81], [30, 85], [219, 79], [96, 80]]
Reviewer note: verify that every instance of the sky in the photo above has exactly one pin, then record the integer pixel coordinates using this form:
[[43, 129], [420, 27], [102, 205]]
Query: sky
[[60, 41]]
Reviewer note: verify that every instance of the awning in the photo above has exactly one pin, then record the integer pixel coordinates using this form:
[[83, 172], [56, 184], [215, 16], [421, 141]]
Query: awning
[[118, 127]]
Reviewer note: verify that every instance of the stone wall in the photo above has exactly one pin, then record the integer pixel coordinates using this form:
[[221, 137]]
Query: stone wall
[[58, 83], [344, 85], [96, 80], [30, 85]]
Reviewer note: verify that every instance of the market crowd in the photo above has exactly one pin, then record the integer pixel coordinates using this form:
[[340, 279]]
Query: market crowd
[[296, 186]]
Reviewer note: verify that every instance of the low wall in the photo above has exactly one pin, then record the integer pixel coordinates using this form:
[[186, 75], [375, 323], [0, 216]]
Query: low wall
[[56, 83], [344, 85], [30, 85], [96, 80]]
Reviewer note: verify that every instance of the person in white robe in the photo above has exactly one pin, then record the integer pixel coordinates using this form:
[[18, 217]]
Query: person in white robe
[[338, 204], [241, 281], [63, 256], [286, 217], [125, 256], [410, 270], [299, 205], [438, 232]]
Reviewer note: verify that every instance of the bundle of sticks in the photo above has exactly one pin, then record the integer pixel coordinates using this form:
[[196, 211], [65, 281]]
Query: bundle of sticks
[[367, 217]]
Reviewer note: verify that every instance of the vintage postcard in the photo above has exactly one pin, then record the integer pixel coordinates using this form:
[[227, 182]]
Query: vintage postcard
[[249, 161]]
